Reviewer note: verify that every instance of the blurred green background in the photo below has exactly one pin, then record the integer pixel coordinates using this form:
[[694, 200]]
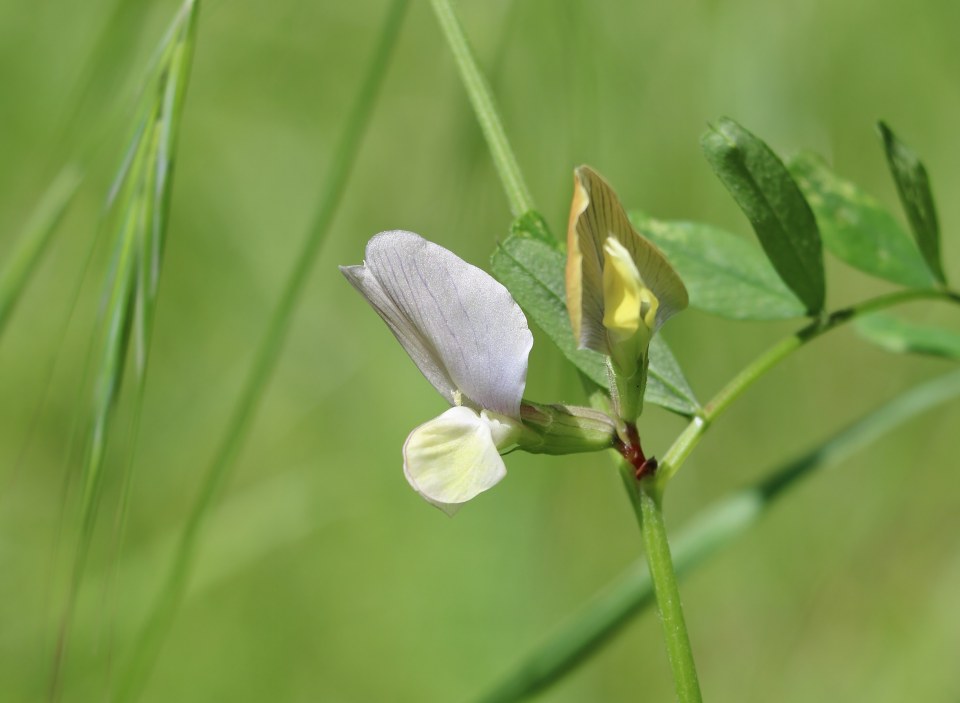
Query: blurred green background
[[322, 576]]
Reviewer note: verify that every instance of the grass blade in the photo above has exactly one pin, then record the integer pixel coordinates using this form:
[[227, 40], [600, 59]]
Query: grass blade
[[141, 199], [137, 203], [717, 526], [147, 647], [33, 242]]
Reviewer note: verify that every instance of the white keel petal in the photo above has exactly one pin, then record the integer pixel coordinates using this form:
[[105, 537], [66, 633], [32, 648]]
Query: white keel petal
[[452, 458]]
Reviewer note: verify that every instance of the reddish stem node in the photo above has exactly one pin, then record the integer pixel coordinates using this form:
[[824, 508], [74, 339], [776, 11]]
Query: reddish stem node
[[632, 451]]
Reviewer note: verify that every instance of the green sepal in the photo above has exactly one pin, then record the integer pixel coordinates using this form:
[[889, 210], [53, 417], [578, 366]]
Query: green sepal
[[565, 429], [627, 390]]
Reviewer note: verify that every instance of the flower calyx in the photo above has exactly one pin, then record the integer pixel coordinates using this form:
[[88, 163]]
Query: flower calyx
[[565, 429]]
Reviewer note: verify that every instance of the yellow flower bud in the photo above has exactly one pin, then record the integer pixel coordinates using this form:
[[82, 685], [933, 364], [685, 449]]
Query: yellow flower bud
[[630, 307], [620, 287]]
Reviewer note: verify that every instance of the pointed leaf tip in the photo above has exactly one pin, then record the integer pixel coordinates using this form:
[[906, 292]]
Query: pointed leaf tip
[[774, 204], [916, 196]]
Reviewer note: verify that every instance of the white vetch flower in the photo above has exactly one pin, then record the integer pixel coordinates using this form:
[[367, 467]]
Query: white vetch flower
[[470, 339]]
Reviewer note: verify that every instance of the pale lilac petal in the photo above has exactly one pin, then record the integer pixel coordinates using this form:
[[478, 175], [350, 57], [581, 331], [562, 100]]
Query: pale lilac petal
[[424, 355], [460, 326]]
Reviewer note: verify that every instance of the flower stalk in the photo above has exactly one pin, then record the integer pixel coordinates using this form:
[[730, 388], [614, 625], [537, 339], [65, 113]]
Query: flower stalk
[[566, 429]]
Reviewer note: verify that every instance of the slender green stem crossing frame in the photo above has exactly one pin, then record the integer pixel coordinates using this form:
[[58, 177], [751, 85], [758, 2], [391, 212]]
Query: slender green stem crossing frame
[[481, 98]]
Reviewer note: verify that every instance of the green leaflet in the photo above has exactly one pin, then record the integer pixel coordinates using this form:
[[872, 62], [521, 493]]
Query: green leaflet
[[532, 271], [897, 335], [666, 385], [724, 274], [856, 228], [914, 188], [771, 200]]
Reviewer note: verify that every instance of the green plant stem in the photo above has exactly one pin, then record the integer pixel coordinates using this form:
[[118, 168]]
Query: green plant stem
[[691, 435], [481, 97], [647, 495], [716, 526], [664, 580], [161, 617]]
